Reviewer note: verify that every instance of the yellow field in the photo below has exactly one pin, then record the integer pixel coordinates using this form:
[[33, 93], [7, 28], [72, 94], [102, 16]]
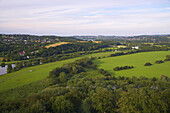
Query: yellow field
[[88, 41], [57, 44]]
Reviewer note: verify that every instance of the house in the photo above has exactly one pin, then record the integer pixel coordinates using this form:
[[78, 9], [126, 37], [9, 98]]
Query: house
[[136, 47], [122, 46], [22, 53]]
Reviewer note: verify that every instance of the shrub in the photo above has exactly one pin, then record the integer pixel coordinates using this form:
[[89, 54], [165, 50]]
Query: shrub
[[159, 61], [2, 64], [122, 68], [148, 64]]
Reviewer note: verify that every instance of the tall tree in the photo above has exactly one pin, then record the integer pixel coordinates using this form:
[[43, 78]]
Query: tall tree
[[9, 68]]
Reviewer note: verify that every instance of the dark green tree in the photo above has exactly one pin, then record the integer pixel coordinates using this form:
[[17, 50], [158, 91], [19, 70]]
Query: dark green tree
[[103, 101], [9, 68], [62, 105], [2, 64]]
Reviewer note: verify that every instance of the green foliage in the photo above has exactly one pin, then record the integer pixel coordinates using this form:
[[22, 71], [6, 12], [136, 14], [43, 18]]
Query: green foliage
[[159, 61], [122, 68], [100, 94], [102, 71], [63, 77], [9, 68], [103, 101], [2, 64], [164, 78], [3, 60], [167, 58], [138, 101], [148, 64], [62, 105]]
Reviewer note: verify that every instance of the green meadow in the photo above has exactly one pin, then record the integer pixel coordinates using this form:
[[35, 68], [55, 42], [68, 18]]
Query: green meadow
[[137, 60], [39, 72], [31, 74]]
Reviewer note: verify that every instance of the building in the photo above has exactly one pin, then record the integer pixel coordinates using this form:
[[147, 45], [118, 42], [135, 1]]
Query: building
[[136, 47], [22, 53]]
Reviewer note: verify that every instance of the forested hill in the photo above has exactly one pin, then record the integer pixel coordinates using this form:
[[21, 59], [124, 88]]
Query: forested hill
[[36, 37]]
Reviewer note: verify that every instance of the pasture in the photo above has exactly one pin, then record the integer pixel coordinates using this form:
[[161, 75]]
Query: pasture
[[31, 74], [137, 60]]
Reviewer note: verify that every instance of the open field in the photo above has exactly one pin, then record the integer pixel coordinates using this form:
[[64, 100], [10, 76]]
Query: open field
[[57, 44], [39, 72], [88, 41], [137, 60]]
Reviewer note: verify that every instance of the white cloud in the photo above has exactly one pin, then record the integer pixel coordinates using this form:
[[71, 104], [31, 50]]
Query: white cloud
[[67, 17]]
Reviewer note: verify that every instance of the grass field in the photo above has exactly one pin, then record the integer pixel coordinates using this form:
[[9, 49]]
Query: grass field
[[88, 41], [39, 72], [137, 60]]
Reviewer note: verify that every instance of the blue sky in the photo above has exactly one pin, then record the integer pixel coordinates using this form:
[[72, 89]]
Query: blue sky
[[85, 17]]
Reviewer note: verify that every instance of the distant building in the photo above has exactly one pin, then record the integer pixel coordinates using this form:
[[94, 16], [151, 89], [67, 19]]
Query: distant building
[[22, 53], [122, 46], [136, 47]]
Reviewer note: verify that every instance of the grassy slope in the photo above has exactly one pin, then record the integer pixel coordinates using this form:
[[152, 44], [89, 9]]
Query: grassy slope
[[138, 61], [24, 76]]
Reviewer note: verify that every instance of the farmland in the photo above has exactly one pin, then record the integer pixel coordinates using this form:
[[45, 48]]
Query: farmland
[[57, 44], [137, 60]]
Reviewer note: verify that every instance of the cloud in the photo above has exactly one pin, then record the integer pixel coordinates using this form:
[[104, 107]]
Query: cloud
[[68, 17]]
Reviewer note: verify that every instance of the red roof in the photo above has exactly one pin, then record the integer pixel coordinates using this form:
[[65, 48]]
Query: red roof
[[21, 53]]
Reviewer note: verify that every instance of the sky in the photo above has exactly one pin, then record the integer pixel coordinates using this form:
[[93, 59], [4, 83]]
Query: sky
[[85, 17]]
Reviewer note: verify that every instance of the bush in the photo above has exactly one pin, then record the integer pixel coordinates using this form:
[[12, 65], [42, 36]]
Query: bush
[[3, 60], [2, 64], [159, 61], [103, 72], [122, 68], [148, 64]]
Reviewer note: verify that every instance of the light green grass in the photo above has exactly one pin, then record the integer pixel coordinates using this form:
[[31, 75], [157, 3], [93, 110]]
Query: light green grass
[[137, 60], [39, 72]]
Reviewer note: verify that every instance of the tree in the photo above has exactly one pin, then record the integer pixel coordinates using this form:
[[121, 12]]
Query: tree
[[163, 78], [9, 68], [37, 107], [62, 105], [8, 60], [3, 60], [159, 61], [142, 101], [2, 64], [63, 77], [86, 106], [103, 101]]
